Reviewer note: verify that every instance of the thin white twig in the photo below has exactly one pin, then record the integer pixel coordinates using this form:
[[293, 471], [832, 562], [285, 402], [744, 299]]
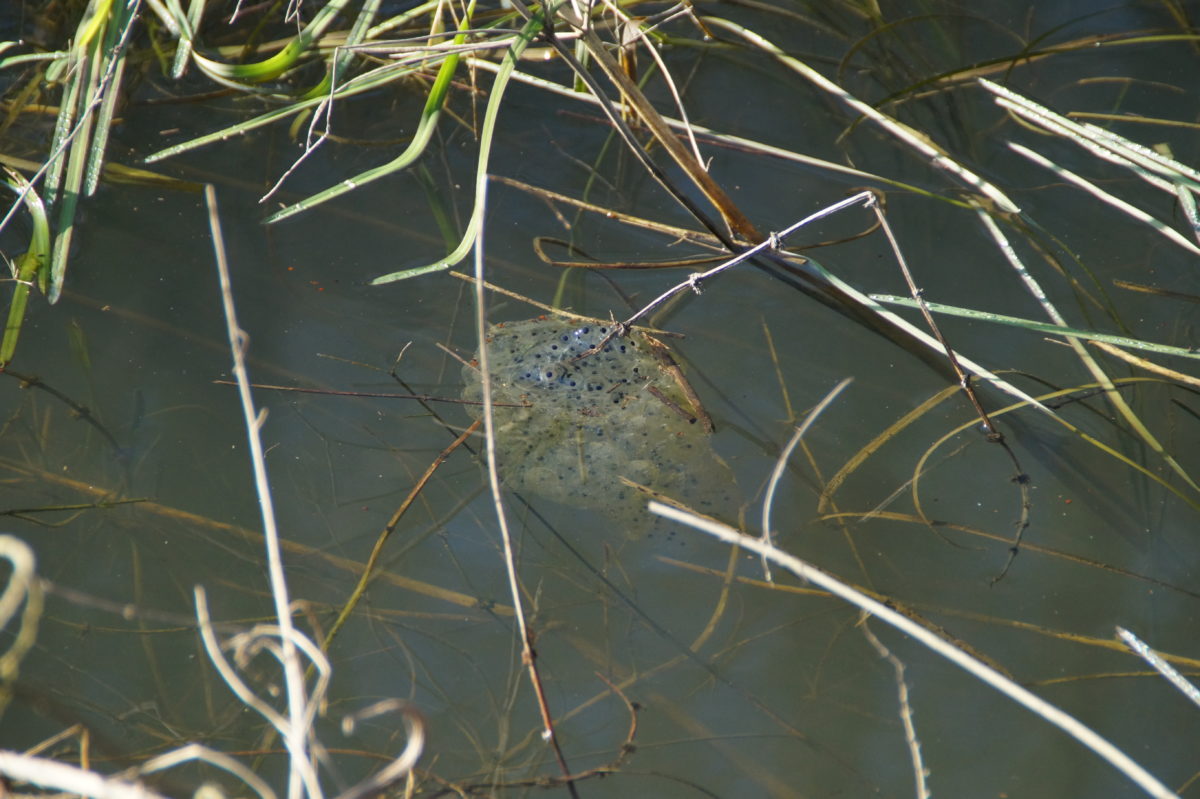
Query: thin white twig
[[806, 571], [1161, 666], [301, 775], [772, 241], [20, 580], [224, 668], [247, 645], [23, 585], [70, 779], [781, 464]]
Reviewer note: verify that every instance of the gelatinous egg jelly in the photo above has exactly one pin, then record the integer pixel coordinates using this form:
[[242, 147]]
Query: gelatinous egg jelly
[[594, 419]]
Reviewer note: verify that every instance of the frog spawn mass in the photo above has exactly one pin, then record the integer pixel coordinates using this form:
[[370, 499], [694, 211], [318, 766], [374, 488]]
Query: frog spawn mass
[[591, 420]]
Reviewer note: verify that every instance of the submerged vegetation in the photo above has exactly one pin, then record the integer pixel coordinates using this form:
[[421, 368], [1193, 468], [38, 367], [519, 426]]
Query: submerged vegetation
[[974, 150]]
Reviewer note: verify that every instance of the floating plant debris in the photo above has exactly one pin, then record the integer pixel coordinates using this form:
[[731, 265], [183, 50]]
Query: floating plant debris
[[617, 412]]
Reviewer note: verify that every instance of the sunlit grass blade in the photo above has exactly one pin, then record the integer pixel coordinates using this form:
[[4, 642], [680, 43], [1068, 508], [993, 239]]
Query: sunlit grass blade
[[1040, 327], [910, 137], [344, 55], [1114, 397], [64, 195], [1187, 202], [1124, 207], [928, 341], [91, 77], [429, 119], [1160, 665], [113, 69], [1103, 143], [187, 26]]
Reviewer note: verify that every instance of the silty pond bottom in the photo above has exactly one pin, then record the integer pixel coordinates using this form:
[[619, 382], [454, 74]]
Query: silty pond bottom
[[586, 422]]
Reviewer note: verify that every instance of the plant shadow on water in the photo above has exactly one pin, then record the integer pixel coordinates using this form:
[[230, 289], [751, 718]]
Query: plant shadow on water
[[670, 665]]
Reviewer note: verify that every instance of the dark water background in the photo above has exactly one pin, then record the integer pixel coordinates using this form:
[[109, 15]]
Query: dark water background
[[783, 696]]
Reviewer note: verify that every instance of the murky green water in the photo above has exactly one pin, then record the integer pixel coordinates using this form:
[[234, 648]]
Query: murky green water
[[741, 689]]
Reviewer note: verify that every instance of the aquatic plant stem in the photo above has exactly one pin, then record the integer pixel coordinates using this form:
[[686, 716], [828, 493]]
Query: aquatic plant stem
[[806, 571], [1114, 398], [301, 775], [994, 435], [906, 716], [369, 568], [781, 464], [528, 654]]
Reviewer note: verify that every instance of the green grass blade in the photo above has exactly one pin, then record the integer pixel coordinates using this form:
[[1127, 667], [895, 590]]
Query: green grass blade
[[360, 84], [64, 124], [31, 266], [112, 66], [1114, 397], [26, 58], [968, 364], [276, 65], [400, 20], [1039, 327], [1128, 209], [429, 118], [188, 24], [1102, 143], [343, 54], [488, 128]]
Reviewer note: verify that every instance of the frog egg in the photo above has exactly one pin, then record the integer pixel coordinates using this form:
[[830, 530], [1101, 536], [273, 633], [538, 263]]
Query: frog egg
[[592, 421], [639, 471]]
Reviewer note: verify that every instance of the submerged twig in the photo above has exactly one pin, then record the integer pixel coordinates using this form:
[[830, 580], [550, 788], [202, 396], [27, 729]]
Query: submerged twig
[[781, 464], [368, 571], [964, 382], [365, 394], [302, 774], [906, 714], [1040, 707], [80, 410], [528, 653]]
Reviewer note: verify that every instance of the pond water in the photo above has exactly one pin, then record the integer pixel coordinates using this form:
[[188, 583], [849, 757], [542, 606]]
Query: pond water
[[737, 687]]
